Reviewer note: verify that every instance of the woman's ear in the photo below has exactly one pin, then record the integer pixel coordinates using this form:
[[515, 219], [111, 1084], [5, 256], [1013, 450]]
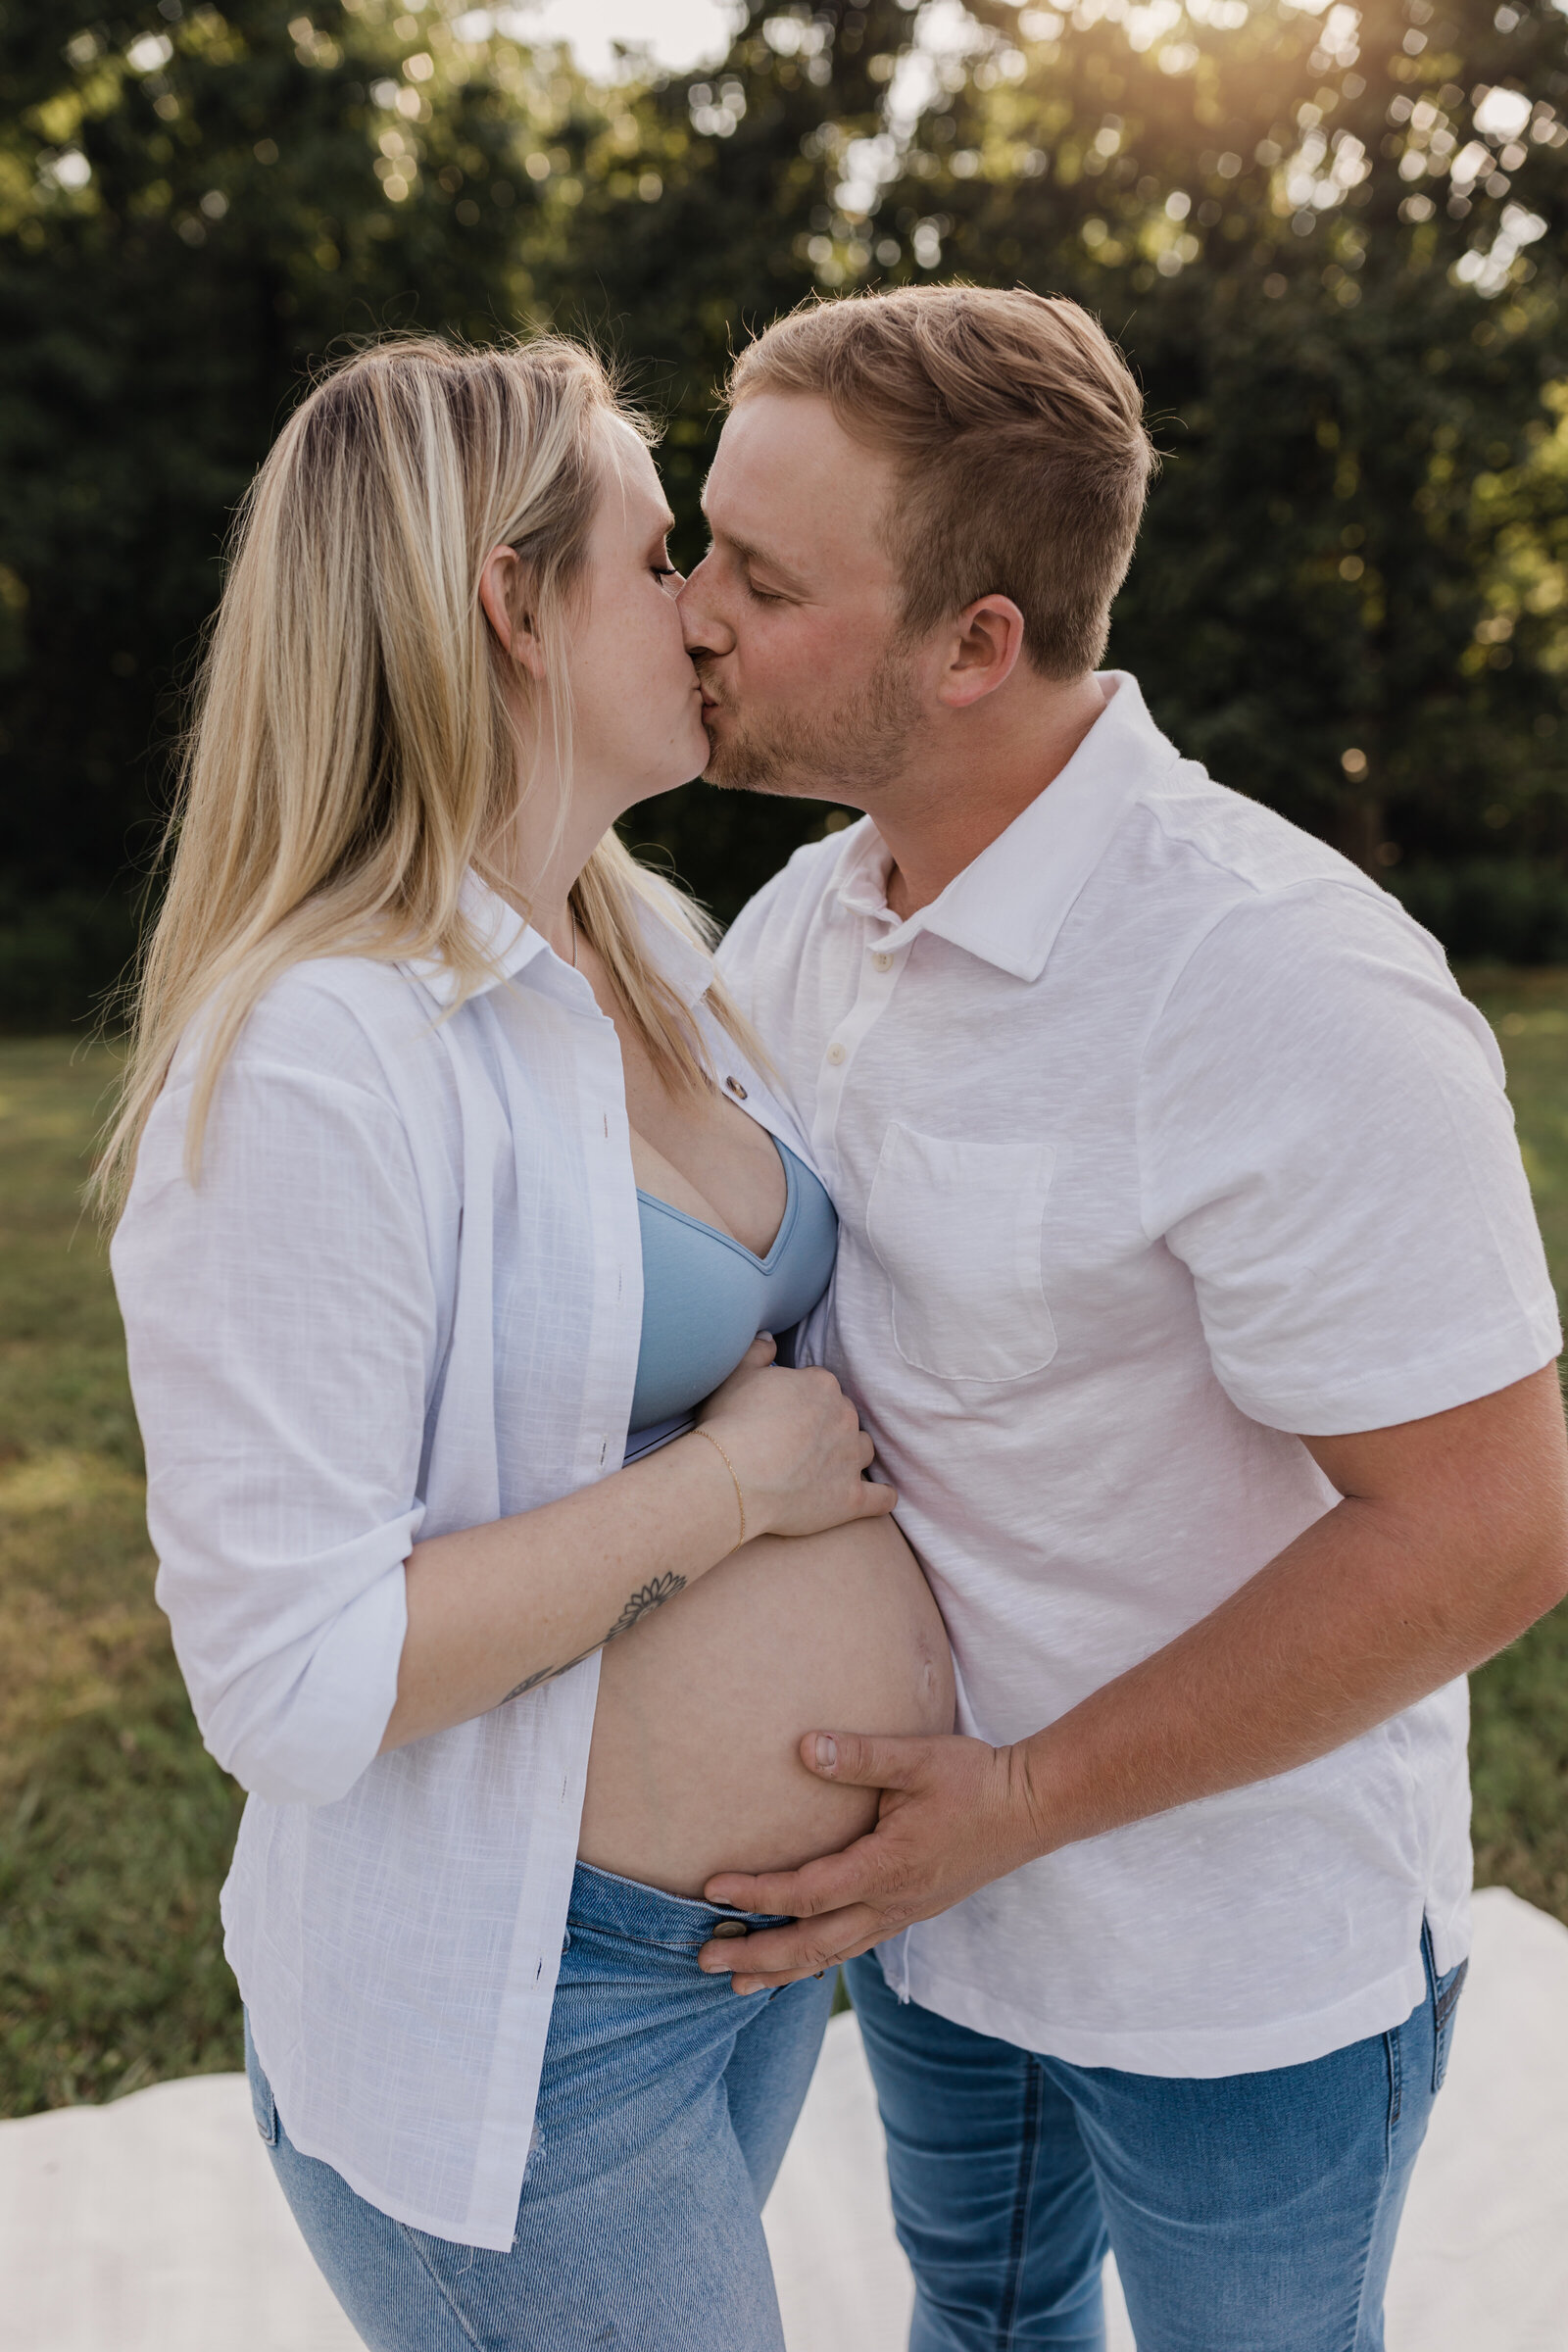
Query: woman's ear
[[504, 594]]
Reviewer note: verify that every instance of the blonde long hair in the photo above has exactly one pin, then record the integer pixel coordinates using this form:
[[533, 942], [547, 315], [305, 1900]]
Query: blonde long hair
[[351, 753]]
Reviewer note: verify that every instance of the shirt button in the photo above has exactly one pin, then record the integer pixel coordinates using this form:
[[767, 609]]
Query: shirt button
[[881, 962], [835, 1054]]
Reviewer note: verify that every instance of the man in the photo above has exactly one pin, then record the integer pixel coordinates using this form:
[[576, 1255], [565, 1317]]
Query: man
[[1189, 1287]]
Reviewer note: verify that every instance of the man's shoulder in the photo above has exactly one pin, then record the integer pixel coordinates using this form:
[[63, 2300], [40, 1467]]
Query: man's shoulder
[[789, 898], [807, 873], [1220, 842], [1223, 866]]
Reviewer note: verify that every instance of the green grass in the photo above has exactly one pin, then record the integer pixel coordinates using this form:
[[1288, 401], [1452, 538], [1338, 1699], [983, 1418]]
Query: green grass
[[115, 1825], [1519, 1738]]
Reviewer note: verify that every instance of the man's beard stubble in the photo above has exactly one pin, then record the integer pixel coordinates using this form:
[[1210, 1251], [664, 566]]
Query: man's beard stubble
[[838, 755]]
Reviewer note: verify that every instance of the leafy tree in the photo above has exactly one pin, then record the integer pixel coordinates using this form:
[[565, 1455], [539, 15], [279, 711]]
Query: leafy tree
[[705, 214], [1332, 241], [1319, 237], [1333, 245], [194, 207]]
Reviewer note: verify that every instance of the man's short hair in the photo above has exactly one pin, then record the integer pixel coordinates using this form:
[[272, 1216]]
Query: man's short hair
[[1017, 430]]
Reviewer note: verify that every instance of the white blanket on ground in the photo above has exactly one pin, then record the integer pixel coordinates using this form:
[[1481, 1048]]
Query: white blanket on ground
[[155, 2226]]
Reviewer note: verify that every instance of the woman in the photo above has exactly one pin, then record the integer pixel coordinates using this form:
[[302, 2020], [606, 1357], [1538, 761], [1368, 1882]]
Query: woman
[[448, 1165]]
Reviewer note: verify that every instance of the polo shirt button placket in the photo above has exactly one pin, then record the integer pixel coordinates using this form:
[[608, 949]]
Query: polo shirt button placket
[[872, 997], [830, 1092]]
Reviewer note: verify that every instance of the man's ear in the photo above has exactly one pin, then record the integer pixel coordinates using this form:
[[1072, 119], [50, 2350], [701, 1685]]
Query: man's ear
[[504, 593], [982, 652]]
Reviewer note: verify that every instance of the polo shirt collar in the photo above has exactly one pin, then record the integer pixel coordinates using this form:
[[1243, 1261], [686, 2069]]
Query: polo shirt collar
[[1009, 904]]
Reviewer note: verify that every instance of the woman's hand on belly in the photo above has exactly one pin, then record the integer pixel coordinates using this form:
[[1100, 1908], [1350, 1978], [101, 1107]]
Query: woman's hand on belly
[[494, 1611], [799, 1471], [838, 1627]]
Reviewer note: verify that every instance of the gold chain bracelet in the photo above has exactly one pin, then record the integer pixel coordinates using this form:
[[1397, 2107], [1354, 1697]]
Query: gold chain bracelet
[[700, 1432]]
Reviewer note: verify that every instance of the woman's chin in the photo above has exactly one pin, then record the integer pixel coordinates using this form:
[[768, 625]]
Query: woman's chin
[[653, 788], [697, 756], [683, 765], [701, 748]]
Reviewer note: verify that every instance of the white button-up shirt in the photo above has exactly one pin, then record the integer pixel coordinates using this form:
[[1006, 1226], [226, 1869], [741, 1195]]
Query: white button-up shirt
[[405, 1297], [1160, 1135]]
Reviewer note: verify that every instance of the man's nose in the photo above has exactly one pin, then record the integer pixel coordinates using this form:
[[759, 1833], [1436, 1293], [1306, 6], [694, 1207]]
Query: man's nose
[[704, 629]]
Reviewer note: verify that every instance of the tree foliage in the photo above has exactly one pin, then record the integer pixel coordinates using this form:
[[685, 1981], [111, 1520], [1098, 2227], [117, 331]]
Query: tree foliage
[[1329, 282], [1332, 241]]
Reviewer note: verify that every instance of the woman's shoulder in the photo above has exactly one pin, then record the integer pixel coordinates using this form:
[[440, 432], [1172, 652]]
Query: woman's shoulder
[[339, 1065], [360, 995], [351, 1021]]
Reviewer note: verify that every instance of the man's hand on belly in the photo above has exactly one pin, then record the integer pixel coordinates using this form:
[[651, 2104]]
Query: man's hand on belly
[[955, 1815], [1451, 1538]]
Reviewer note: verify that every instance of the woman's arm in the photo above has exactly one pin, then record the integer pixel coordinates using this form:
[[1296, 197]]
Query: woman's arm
[[285, 1329], [495, 1610]]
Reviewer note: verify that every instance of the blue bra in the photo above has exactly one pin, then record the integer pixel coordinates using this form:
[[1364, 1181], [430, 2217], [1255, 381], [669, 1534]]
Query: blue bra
[[706, 1298]]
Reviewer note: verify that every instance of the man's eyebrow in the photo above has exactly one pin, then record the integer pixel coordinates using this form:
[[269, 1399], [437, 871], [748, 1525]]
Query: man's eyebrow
[[749, 553]]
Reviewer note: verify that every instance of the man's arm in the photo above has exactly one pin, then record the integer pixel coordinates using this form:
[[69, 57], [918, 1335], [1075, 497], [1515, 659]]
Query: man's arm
[[1451, 1538]]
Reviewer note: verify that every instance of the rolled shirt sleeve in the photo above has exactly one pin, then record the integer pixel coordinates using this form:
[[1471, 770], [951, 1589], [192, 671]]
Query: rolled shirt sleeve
[[283, 1340], [1326, 1142]]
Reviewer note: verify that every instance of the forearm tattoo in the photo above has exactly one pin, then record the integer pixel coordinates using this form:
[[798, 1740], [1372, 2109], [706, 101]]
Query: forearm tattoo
[[642, 1603]]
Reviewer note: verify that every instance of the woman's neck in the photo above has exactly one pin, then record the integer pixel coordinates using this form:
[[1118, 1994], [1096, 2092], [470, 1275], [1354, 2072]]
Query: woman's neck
[[536, 878]]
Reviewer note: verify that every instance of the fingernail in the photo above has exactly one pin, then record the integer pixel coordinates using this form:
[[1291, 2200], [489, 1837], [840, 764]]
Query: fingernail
[[827, 1752]]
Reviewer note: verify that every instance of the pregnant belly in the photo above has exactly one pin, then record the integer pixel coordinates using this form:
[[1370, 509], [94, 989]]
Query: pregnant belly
[[695, 1765]]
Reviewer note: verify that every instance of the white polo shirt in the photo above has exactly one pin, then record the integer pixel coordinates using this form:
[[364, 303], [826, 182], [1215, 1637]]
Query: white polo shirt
[[1162, 1134]]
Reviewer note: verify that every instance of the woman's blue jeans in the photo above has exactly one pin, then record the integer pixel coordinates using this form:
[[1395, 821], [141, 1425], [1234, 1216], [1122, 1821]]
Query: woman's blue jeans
[[1252, 2213], [665, 2111]]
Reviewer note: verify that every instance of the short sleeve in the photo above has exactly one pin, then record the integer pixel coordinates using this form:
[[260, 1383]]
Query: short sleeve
[[1326, 1144], [282, 1331]]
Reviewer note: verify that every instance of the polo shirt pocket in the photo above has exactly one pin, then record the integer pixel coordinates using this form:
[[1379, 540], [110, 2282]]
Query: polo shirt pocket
[[958, 1228]]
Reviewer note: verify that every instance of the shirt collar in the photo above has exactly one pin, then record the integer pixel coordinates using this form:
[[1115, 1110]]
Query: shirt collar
[[1009, 904], [504, 936], [511, 944], [687, 967]]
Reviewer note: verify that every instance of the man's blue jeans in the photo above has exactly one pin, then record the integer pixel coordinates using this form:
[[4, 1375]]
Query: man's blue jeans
[[1251, 2213]]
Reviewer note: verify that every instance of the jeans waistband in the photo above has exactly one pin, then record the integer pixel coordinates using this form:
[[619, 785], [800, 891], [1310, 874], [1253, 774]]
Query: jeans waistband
[[626, 1907]]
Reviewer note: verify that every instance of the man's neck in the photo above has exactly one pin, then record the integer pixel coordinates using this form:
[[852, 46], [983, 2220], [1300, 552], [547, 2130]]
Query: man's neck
[[940, 819]]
